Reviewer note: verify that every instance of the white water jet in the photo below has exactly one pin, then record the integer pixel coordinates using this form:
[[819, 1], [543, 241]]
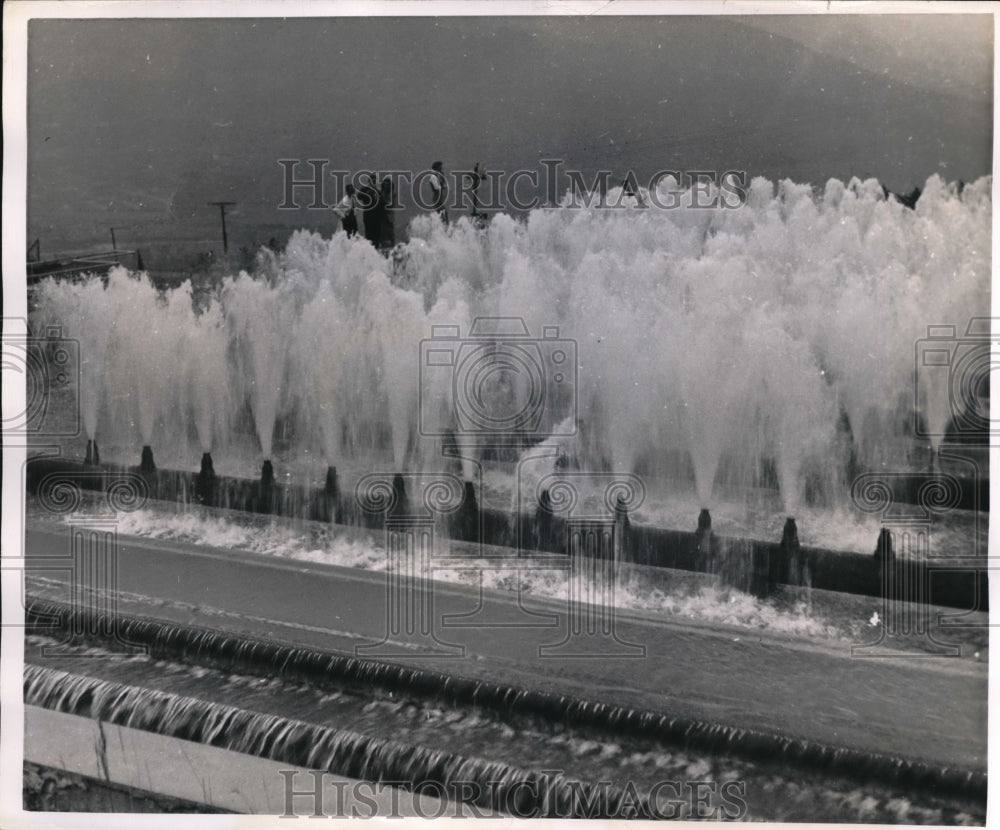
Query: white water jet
[[207, 382], [147, 354], [326, 344], [84, 311], [260, 319], [397, 317], [726, 341]]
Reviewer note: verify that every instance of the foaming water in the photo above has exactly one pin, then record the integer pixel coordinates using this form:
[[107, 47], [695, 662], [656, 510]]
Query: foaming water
[[638, 589], [580, 753], [770, 345], [678, 595]]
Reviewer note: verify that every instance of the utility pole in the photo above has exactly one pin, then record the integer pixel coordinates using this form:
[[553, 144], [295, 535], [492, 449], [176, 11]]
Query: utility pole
[[222, 214]]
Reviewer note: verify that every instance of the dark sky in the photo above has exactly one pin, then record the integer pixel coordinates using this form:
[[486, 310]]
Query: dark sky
[[138, 123]]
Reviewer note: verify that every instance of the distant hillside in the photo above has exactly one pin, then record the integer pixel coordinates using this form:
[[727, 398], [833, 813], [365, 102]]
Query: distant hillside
[[139, 124]]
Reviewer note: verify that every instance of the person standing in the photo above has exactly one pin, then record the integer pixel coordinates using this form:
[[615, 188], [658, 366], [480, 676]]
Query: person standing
[[368, 201], [439, 191], [346, 209], [387, 236], [475, 179]]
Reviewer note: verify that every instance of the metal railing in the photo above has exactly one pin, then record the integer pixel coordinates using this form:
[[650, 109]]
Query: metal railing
[[77, 265]]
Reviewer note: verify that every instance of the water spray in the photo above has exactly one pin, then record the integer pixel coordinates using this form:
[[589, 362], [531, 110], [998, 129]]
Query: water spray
[[934, 462]]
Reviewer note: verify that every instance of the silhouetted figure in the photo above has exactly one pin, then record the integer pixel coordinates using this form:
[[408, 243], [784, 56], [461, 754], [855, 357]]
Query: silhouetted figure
[[368, 200], [476, 179], [439, 191], [908, 200], [387, 235], [347, 209]]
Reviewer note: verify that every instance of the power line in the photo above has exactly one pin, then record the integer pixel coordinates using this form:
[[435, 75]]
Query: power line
[[222, 215]]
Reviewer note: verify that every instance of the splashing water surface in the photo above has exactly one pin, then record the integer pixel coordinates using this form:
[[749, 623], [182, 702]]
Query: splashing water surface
[[766, 346]]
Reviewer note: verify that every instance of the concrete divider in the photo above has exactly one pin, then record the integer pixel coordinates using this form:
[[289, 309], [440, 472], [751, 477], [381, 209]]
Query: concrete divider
[[753, 565], [137, 759]]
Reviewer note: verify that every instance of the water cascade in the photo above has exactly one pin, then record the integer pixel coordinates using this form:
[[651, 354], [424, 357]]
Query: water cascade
[[354, 755]]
